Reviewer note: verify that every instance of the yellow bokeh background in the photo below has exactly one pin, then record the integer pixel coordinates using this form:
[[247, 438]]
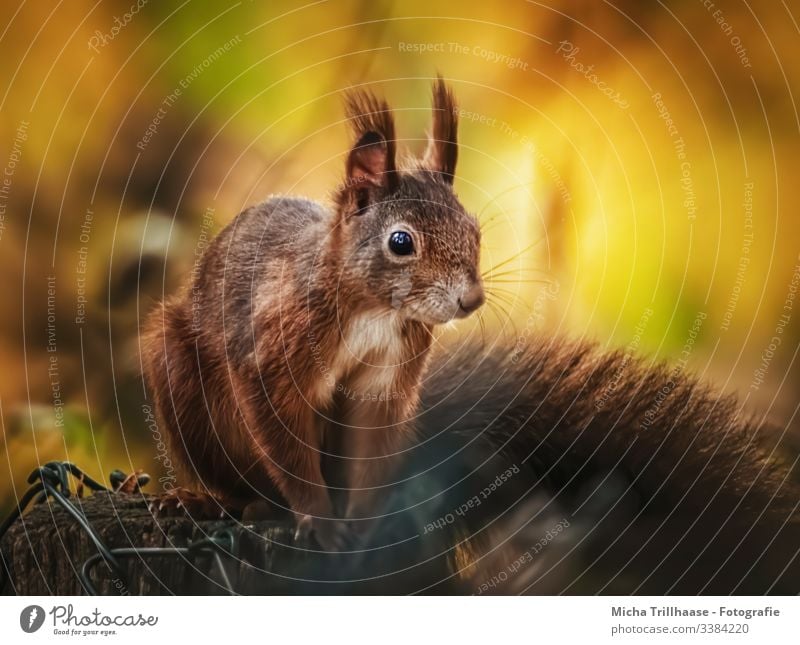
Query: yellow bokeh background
[[581, 193]]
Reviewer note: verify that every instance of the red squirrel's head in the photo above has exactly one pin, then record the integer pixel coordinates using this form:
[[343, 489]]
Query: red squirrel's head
[[406, 239]]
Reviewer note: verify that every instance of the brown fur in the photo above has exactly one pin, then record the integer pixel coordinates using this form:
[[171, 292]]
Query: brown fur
[[593, 499], [442, 152], [293, 359], [688, 496], [684, 496]]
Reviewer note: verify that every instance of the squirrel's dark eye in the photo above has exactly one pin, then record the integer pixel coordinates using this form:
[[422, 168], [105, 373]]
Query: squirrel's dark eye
[[400, 243]]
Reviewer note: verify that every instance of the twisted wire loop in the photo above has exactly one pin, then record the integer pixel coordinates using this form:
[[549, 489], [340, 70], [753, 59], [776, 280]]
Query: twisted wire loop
[[52, 481], [218, 544]]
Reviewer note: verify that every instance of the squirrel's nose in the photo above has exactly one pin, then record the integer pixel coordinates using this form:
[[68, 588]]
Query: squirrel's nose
[[471, 299]]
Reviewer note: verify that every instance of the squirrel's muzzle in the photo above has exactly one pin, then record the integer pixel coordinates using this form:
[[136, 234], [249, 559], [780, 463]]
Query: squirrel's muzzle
[[471, 300]]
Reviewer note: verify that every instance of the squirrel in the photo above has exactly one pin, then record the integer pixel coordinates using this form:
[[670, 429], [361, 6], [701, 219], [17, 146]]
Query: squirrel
[[292, 361], [508, 468]]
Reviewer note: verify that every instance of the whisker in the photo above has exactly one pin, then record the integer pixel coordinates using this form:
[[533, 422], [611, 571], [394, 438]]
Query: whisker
[[489, 226], [509, 272], [496, 220], [529, 269], [515, 297], [517, 281], [503, 317], [490, 306], [495, 305], [514, 257], [506, 293], [434, 338], [484, 226], [482, 324], [502, 299]]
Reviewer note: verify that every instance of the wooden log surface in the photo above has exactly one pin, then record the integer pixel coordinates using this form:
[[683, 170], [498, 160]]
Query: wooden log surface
[[46, 548]]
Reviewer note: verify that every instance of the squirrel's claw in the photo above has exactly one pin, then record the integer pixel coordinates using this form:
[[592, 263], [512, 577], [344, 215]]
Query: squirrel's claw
[[180, 501], [303, 531], [331, 535]]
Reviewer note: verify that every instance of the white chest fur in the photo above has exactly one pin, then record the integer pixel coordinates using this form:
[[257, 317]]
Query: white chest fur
[[373, 339], [369, 355], [366, 361]]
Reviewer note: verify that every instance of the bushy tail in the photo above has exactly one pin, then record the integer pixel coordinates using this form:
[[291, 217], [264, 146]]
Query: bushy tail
[[631, 478]]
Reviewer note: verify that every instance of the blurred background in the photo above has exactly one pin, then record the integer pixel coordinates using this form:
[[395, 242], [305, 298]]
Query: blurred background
[[634, 166]]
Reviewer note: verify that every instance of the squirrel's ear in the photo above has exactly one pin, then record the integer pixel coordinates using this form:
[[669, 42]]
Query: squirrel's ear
[[442, 152], [372, 159], [368, 160]]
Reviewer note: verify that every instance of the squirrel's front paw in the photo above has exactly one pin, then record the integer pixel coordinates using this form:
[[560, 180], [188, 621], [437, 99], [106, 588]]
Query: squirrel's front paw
[[331, 535], [181, 501]]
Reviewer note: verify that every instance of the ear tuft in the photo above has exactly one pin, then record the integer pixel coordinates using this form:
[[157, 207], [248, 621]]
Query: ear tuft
[[442, 152], [372, 158]]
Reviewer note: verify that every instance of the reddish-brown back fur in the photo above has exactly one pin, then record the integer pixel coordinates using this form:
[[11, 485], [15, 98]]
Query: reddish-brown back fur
[[303, 336]]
